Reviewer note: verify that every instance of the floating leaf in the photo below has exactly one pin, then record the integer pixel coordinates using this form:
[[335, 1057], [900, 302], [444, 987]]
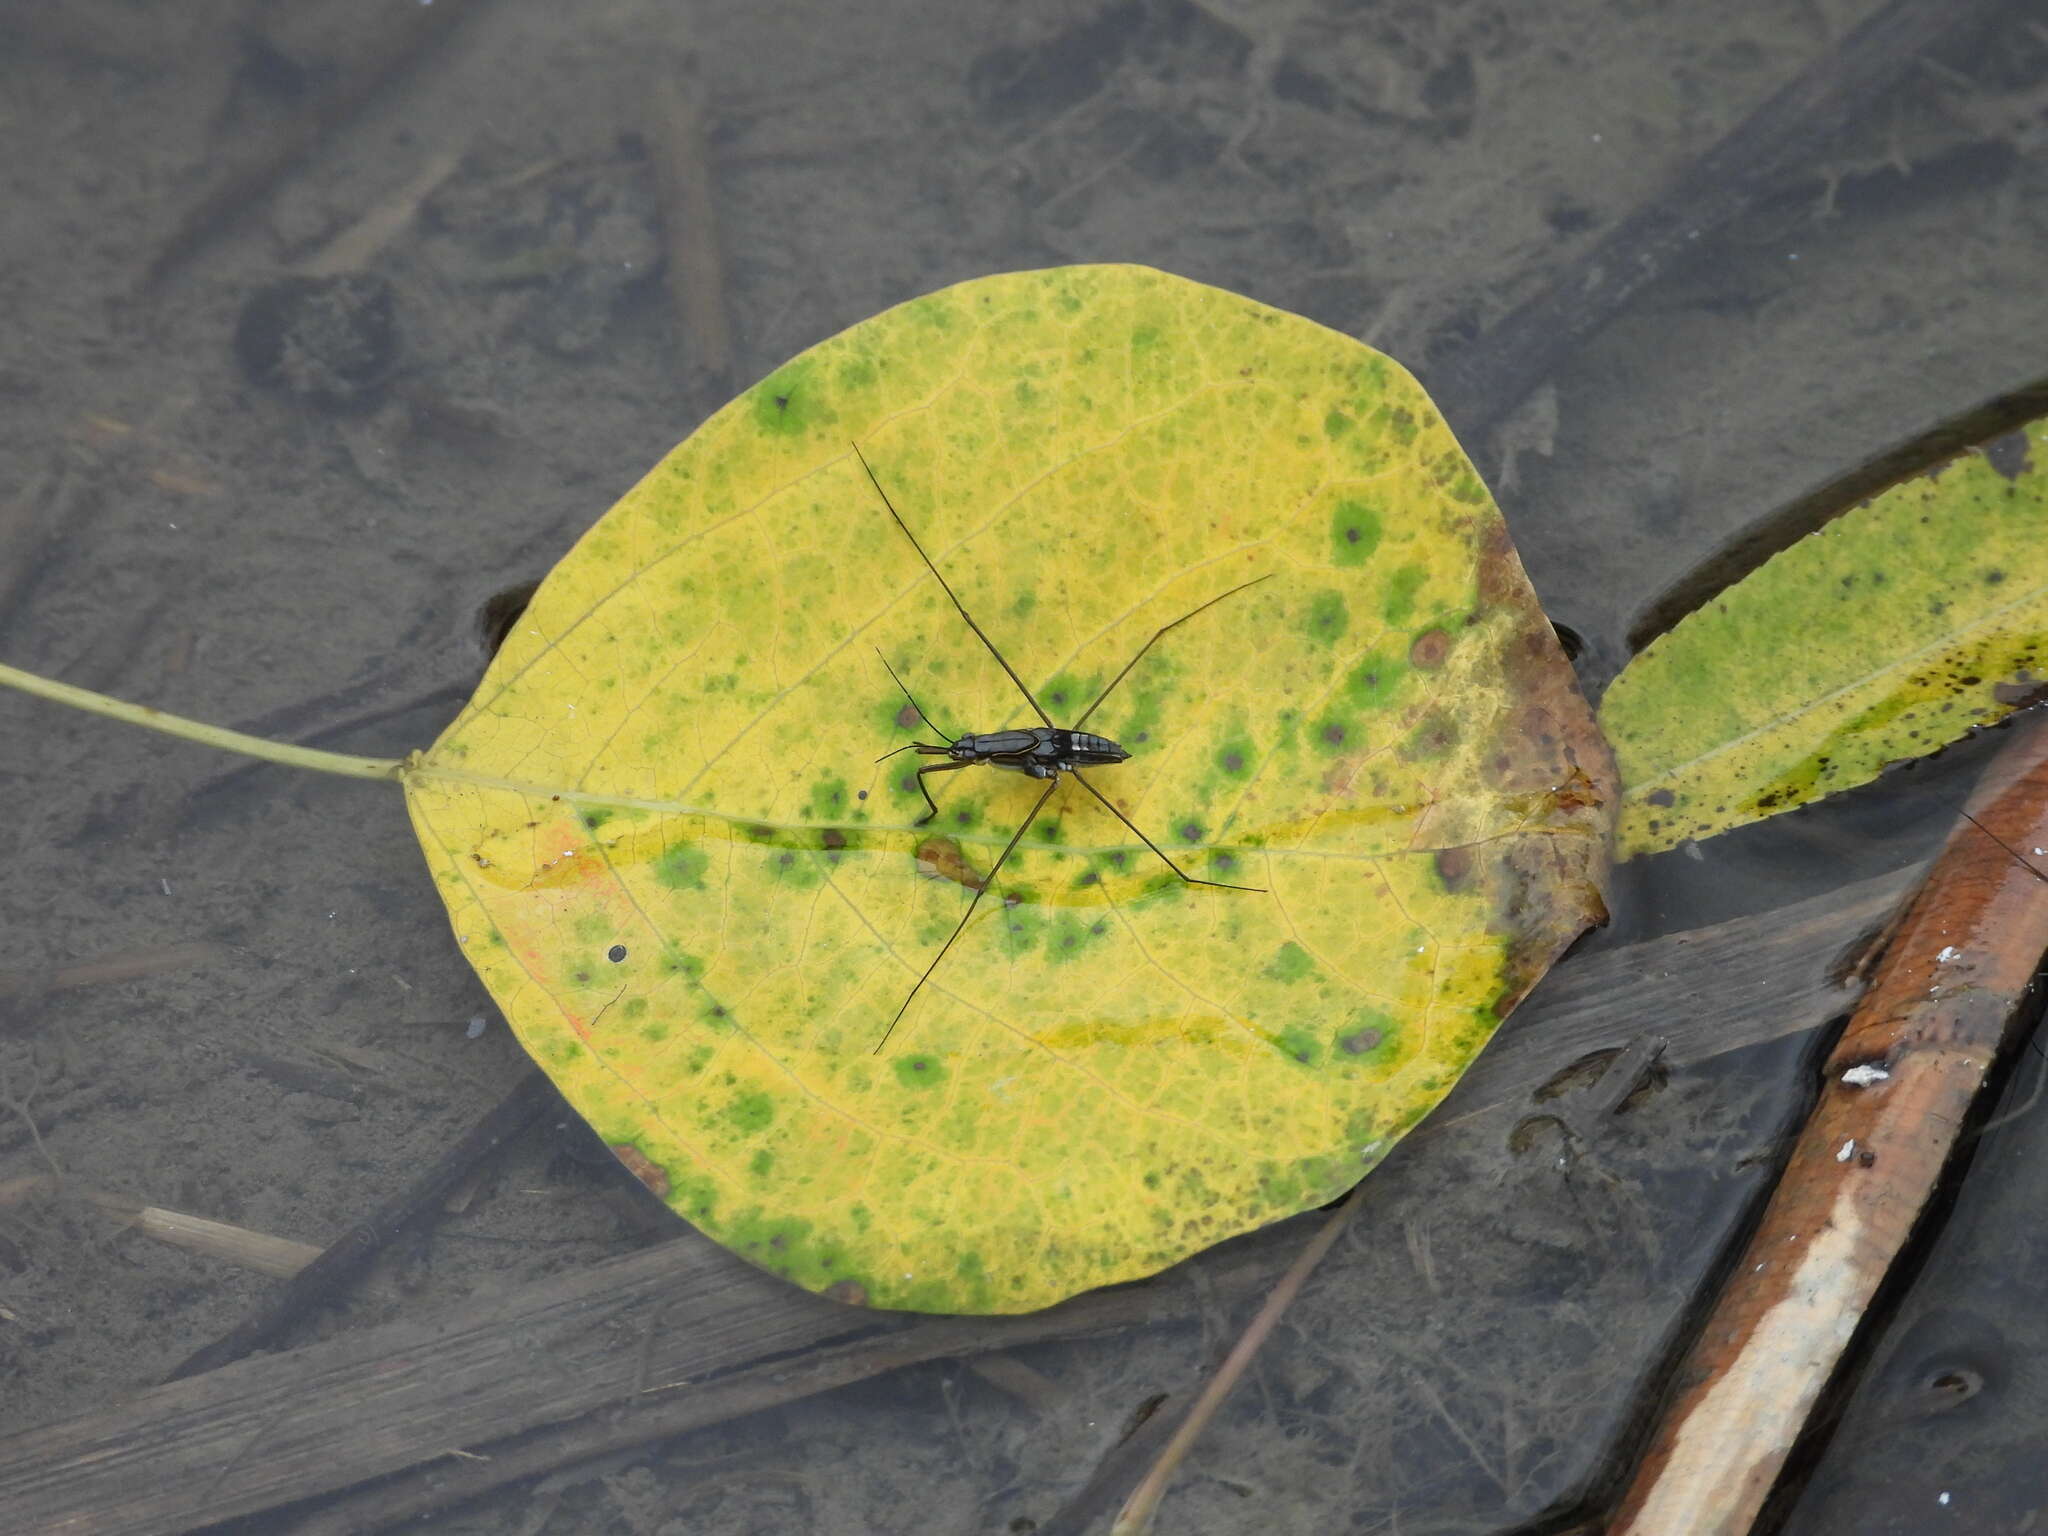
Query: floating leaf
[[669, 850], [676, 843], [1885, 635]]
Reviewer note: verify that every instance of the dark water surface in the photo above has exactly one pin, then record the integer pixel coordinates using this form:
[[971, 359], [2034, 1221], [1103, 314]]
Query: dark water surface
[[283, 507]]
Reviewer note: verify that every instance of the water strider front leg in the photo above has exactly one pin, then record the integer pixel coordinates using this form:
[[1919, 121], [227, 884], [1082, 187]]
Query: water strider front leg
[[928, 800]]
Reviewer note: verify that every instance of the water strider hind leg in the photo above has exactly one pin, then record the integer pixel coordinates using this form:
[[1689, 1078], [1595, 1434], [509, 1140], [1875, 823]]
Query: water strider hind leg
[[1223, 885]]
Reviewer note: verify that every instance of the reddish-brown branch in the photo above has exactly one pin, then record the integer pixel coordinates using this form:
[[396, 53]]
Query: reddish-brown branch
[[1897, 1089]]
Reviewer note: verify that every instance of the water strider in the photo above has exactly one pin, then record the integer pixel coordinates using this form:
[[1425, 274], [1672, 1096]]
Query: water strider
[[1045, 751]]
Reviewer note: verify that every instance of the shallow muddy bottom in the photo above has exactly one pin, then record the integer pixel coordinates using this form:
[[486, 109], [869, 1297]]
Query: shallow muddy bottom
[[293, 1042]]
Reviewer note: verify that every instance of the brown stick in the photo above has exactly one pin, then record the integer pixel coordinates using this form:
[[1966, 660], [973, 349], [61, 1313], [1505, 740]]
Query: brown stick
[[693, 268], [261, 1251], [1896, 1092], [125, 965]]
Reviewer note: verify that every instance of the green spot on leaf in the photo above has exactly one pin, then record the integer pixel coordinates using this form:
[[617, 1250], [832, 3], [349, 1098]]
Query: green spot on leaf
[[1367, 1039], [1354, 533], [790, 401], [828, 800], [919, 1071], [1328, 617], [751, 1112], [1371, 683], [682, 868], [1299, 1045], [1290, 963], [796, 866], [1398, 606]]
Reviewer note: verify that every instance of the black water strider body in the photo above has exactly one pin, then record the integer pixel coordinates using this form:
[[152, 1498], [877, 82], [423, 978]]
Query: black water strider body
[[1042, 751]]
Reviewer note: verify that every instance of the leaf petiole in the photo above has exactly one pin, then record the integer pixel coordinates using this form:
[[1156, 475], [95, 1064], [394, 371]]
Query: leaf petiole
[[195, 730]]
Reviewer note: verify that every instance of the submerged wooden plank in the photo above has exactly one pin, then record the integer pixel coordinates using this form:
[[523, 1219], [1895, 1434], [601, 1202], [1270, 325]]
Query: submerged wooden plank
[[641, 1330]]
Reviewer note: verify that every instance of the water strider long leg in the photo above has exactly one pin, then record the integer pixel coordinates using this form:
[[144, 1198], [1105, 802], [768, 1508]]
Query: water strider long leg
[[1029, 697], [990, 879], [1162, 629], [1120, 816]]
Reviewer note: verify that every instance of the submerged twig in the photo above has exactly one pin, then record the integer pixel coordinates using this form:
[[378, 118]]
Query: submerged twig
[[123, 965], [322, 1281], [693, 269], [263, 1252], [1898, 1088], [1135, 1518], [1482, 385], [355, 247], [398, 32]]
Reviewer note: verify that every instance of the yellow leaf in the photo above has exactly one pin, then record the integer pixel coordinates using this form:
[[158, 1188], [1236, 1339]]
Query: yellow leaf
[[669, 849], [1885, 635]]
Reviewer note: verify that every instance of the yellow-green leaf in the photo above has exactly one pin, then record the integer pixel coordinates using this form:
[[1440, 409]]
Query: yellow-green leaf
[[1885, 635], [667, 845]]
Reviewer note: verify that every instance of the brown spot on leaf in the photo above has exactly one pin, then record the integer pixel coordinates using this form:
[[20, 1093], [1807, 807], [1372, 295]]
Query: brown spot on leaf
[[642, 1167], [940, 858], [1576, 793], [1501, 582], [1661, 797], [1434, 738], [1360, 1041], [1429, 650], [1339, 776], [851, 1292], [834, 838], [1454, 867]]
